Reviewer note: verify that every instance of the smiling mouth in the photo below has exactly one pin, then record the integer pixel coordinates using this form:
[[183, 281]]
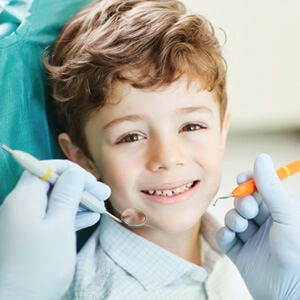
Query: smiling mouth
[[172, 192]]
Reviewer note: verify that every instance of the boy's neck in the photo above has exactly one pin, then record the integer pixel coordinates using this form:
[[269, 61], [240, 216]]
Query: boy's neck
[[185, 245]]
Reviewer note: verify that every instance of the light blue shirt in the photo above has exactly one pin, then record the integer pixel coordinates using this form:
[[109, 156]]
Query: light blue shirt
[[118, 264]]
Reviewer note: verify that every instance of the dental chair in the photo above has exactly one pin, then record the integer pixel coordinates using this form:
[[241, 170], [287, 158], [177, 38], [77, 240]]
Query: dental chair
[[27, 121]]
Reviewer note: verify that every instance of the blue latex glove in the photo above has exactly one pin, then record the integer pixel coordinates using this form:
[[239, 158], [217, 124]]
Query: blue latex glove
[[85, 218], [262, 236], [37, 237]]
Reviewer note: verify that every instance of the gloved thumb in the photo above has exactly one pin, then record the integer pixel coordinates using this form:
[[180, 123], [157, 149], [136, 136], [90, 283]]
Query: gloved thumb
[[86, 219], [67, 191], [272, 190]]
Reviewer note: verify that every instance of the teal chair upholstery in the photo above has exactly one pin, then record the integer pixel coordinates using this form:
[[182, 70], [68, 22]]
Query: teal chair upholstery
[[27, 121]]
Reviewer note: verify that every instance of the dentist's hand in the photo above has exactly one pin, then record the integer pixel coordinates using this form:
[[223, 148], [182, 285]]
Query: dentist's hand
[[37, 237], [262, 236]]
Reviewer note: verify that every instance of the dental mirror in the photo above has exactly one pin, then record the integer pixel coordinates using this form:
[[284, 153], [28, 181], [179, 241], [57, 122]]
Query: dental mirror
[[130, 217]]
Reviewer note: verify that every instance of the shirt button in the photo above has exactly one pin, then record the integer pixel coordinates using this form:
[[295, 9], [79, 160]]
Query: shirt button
[[198, 276]]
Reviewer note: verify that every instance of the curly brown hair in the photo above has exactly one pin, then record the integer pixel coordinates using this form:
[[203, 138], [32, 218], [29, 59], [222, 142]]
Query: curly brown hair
[[146, 43]]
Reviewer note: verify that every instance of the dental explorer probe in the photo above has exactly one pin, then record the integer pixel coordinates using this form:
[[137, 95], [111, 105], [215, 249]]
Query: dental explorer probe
[[39, 169], [249, 187]]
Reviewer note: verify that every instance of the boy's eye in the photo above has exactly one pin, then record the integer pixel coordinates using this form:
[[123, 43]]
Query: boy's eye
[[133, 137], [193, 127]]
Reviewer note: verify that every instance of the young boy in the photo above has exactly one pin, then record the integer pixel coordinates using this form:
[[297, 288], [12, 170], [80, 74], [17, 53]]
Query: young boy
[[140, 89]]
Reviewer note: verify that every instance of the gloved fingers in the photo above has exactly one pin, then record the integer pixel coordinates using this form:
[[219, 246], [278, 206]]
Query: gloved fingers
[[238, 220], [66, 193], [86, 219], [226, 239], [262, 215], [244, 176], [235, 222], [30, 193], [258, 198], [250, 231], [60, 165], [229, 243], [277, 198], [100, 190], [81, 209], [247, 206]]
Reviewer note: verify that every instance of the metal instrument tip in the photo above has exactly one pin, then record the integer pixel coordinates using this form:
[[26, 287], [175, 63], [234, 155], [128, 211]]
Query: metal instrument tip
[[224, 197], [7, 148]]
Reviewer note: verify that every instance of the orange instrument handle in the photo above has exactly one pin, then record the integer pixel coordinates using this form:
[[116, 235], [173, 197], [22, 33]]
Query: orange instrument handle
[[248, 187]]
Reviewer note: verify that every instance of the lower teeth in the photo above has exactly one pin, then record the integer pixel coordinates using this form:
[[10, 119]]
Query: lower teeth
[[175, 192]]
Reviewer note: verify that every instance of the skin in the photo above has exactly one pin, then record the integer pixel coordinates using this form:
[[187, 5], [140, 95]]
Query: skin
[[158, 140]]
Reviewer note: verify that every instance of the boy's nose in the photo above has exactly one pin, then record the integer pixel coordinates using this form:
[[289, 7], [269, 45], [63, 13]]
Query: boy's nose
[[165, 154]]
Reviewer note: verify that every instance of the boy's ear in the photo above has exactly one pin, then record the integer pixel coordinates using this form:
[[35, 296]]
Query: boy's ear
[[225, 127], [75, 154]]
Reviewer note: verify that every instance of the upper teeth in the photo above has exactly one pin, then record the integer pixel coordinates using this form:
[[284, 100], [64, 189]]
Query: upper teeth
[[175, 191]]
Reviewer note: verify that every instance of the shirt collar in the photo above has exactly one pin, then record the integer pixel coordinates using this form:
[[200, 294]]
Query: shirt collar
[[210, 250], [131, 251]]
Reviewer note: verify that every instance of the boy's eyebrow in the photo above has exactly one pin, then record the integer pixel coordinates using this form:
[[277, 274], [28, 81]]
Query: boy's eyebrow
[[191, 109], [122, 119], [135, 118]]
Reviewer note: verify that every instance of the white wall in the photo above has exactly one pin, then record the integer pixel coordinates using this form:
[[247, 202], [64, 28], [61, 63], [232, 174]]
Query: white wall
[[263, 55]]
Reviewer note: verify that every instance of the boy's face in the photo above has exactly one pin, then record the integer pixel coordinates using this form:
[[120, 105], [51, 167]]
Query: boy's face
[[160, 152]]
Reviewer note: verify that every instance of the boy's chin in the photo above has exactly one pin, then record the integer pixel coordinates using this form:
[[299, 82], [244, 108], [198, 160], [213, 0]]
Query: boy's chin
[[176, 224]]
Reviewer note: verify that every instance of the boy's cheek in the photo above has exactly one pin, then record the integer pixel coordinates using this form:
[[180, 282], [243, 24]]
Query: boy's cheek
[[224, 131], [116, 175]]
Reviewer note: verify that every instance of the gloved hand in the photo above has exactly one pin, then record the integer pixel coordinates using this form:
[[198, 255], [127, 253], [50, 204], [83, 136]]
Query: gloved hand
[[85, 218], [262, 236], [37, 237]]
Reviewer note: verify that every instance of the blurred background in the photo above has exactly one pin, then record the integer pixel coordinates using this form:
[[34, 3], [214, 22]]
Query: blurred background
[[262, 49]]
